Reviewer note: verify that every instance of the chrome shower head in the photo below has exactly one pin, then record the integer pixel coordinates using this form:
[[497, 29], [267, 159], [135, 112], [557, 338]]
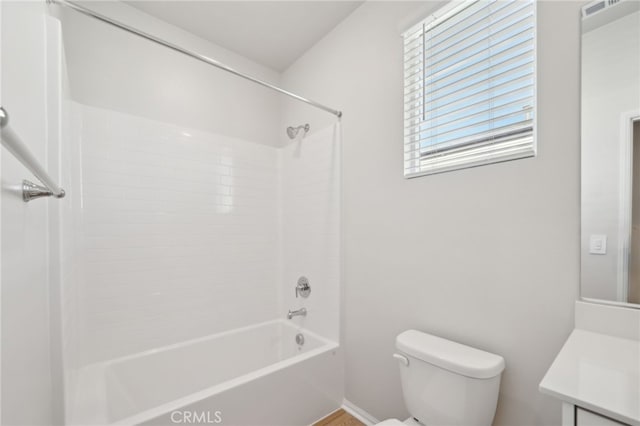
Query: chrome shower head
[[292, 132]]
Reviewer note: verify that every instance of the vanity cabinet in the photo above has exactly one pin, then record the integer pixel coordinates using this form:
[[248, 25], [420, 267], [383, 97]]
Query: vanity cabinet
[[588, 418], [573, 415], [597, 378]]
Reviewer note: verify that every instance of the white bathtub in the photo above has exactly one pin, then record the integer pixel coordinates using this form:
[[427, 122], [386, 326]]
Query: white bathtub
[[256, 375]]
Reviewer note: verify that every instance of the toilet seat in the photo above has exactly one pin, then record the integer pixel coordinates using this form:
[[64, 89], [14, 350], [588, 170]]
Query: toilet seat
[[391, 422], [395, 422]]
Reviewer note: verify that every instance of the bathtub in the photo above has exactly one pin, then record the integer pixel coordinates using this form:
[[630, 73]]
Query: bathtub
[[255, 375]]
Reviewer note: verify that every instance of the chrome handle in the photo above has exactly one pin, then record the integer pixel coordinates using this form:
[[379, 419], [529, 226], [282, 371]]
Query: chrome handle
[[303, 288], [403, 359]]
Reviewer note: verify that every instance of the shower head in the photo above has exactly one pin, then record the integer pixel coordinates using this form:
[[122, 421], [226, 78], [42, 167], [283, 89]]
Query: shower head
[[292, 132]]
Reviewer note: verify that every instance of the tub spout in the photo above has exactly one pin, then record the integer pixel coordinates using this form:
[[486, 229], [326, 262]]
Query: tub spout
[[302, 312]]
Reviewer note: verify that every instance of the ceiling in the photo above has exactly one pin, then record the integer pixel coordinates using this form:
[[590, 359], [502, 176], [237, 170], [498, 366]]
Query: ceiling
[[272, 33]]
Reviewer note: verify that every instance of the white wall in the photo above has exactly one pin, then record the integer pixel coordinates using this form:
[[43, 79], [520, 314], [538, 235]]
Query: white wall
[[610, 88], [26, 354], [486, 256], [110, 68], [179, 233]]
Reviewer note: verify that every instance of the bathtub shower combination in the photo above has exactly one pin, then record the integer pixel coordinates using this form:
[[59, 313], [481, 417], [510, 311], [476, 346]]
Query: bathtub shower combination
[[210, 326], [200, 273]]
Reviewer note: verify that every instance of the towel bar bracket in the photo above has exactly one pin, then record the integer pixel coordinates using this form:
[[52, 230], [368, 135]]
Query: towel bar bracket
[[31, 191], [13, 144], [4, 117]]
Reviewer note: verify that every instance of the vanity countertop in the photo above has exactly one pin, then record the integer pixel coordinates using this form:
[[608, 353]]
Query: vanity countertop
[[598, 372]]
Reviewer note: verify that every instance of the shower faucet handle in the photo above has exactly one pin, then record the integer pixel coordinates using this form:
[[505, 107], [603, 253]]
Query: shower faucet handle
[[303, 288]]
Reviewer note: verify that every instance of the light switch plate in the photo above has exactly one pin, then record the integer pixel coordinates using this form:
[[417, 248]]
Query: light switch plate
[[598, 244]]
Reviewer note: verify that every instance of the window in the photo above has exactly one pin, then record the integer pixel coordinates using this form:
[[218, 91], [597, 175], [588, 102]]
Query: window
[[469, 86]]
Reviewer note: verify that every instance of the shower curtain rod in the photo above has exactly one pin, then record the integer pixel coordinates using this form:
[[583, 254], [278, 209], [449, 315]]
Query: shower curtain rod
[[194, 55]]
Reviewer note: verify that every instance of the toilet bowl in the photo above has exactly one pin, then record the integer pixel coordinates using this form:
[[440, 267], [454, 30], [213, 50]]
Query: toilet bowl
[[445, 383]]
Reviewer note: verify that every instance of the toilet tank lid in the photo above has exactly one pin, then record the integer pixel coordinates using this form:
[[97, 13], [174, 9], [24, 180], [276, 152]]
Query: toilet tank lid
[[452, 356]]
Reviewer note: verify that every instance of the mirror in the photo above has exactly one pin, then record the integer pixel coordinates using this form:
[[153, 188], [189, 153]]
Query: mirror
[[610, 151]]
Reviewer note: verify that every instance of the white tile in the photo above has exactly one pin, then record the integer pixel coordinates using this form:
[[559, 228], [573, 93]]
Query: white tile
[[171, 237]]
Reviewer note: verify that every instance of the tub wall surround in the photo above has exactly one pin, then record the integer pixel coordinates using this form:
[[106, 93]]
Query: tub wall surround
[[178, 231], [310, 191], [222, 204]]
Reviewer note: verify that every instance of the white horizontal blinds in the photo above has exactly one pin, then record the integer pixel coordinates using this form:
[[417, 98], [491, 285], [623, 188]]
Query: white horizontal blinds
[[469, 86]]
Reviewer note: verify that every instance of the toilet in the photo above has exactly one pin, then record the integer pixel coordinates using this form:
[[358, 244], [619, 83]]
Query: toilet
[[446, 383]]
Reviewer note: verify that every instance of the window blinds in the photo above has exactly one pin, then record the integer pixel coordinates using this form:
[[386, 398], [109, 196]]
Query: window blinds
[[469, 86]]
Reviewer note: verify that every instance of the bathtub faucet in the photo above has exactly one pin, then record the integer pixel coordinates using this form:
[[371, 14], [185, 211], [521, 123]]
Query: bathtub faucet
[[302, 312]]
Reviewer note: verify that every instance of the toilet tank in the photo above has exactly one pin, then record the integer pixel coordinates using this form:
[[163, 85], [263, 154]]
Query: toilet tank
[[447, 383]]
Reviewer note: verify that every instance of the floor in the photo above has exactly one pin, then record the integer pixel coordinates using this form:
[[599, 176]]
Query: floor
[[339, 418]]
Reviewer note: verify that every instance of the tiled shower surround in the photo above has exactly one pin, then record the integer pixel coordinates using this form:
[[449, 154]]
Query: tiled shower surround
[[184, 233]]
